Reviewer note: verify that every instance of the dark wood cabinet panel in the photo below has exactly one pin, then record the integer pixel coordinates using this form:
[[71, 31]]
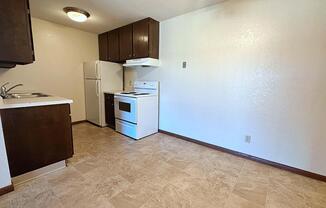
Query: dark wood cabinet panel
[[140, 39], [109, 110], [125, 42], [154, 38], [146, 38], [103, 46], [136, 40], [113, 46], [16, 42], [37, 136], [7, 65]]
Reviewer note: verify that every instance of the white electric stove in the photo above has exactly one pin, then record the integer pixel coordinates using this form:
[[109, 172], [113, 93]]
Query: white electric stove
[[136, 112]]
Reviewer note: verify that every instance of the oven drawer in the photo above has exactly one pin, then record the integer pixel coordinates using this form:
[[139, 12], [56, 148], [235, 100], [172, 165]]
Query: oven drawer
[[126, 128]]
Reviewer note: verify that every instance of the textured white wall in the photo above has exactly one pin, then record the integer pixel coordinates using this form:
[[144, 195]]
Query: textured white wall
[[58, 69], [255, 67]]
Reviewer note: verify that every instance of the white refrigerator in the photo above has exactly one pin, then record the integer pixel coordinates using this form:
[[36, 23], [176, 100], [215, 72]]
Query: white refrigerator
[[100, 77]]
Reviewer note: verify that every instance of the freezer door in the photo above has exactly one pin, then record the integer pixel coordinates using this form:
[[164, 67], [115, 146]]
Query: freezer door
[[111, 76], [92, 98], [91, 70]]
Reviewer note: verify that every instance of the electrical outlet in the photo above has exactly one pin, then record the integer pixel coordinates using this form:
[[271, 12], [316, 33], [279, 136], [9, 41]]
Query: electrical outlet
[[184, 64], [248, 139], [130, 83]]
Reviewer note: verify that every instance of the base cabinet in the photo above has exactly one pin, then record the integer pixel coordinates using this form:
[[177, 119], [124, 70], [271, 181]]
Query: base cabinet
[[37, 136], [109, 110]]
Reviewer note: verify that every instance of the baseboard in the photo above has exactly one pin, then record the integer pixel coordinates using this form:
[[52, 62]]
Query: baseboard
[[38, 172], [94, 124], [6, 189], [250, 157], [78, 122]]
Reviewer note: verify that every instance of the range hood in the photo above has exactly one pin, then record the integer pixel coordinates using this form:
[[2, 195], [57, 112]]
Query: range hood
[[143, 62]]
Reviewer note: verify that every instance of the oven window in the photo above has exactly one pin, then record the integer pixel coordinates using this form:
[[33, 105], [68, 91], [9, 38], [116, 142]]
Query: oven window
[[124, 106]]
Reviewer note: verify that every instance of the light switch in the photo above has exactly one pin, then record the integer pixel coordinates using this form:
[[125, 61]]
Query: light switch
[[184, 64]]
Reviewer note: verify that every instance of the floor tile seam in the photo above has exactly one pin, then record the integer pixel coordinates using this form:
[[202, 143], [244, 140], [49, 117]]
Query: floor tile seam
[[236, 182]]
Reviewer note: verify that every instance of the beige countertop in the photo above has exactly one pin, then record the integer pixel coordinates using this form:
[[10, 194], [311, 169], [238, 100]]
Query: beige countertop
[[112, 91], [32, 102]]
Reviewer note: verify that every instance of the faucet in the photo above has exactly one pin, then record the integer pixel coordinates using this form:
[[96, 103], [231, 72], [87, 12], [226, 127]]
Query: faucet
[[4, 91]]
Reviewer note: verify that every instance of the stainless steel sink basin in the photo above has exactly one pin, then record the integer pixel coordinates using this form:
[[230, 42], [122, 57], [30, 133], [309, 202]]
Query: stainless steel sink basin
[[25, 95]]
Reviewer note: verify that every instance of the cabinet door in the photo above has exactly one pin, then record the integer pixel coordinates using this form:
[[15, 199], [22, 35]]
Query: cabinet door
[[109, 110], [16, 44], [113, 46], [125, 40], [141, 39], [7, 65], [36, 136], [154, 38], [103, 46]]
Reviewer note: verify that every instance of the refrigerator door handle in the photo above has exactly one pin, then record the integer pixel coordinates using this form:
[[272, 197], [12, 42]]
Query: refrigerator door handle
[[96, 70], [97, 88]]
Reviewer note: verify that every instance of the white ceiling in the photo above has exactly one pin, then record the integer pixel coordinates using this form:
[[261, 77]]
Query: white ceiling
[[109, 14]]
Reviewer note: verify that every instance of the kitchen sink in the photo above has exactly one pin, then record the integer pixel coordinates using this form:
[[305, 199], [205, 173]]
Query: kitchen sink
[[25, 95]]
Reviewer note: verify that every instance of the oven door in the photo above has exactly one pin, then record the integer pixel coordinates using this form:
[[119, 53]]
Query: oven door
[[125, 108]]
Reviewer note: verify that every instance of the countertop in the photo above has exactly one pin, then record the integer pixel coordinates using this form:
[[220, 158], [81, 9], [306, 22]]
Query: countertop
[[32, 102], [112, 91]]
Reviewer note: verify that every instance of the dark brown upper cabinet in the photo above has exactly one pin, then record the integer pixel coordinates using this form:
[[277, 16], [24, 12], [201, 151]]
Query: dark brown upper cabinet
[[103, 46], [113, 46], [16, 42], [141, 39], [146, 38], [136, 40], [125, 42]]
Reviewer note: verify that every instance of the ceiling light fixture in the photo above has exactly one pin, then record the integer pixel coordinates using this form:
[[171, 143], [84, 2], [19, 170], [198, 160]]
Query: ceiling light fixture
[[76, 14]]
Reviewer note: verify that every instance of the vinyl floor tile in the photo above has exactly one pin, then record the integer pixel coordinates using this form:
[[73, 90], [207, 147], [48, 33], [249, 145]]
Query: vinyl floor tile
[[110, 170]]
